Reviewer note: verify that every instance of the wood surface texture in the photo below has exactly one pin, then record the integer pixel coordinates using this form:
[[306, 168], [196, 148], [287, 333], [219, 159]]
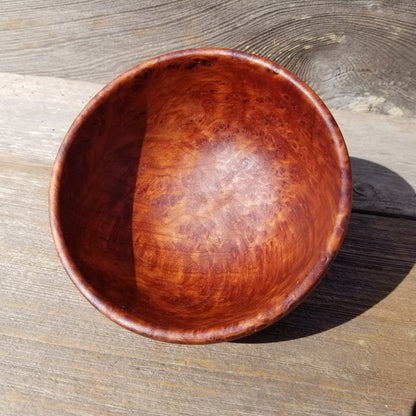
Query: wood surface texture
[[356, 54], [349, 349]]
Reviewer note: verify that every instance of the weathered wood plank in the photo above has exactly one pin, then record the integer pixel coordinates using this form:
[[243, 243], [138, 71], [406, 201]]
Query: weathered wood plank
[[35, 113], [383, 150], [359, 55]]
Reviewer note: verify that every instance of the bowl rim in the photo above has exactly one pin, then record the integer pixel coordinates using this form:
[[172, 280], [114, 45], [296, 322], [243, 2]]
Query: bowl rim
[[218, 333]]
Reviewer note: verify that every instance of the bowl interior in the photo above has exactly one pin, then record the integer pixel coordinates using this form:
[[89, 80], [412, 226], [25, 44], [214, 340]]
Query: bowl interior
[[200, 196]]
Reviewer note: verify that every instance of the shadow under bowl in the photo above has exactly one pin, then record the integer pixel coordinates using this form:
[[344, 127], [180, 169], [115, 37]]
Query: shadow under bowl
[[200, 196]]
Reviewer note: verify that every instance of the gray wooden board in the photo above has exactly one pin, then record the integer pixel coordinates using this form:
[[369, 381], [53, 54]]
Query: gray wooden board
[[359, 54], [383, 159], [349, 349]]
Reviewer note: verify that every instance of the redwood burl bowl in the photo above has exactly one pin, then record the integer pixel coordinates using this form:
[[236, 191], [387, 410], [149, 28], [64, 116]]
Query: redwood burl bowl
[[200, 196]]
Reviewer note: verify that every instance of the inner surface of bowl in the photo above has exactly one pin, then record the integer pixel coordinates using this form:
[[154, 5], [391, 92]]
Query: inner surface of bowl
[[200, 196]]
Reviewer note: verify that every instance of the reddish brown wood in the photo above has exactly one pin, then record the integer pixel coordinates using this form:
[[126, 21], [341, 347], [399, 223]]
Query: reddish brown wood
[[200, 196]]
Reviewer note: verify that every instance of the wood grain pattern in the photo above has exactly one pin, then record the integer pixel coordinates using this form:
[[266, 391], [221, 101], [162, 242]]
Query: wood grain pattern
[[349, 349], [360, 55], [200, 196], [383, 172]]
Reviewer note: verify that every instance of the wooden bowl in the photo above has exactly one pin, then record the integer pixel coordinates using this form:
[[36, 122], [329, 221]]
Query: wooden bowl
[[200, 196]]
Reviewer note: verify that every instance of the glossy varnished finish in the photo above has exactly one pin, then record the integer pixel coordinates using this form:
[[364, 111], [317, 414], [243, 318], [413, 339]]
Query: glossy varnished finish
[[200, 196]]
